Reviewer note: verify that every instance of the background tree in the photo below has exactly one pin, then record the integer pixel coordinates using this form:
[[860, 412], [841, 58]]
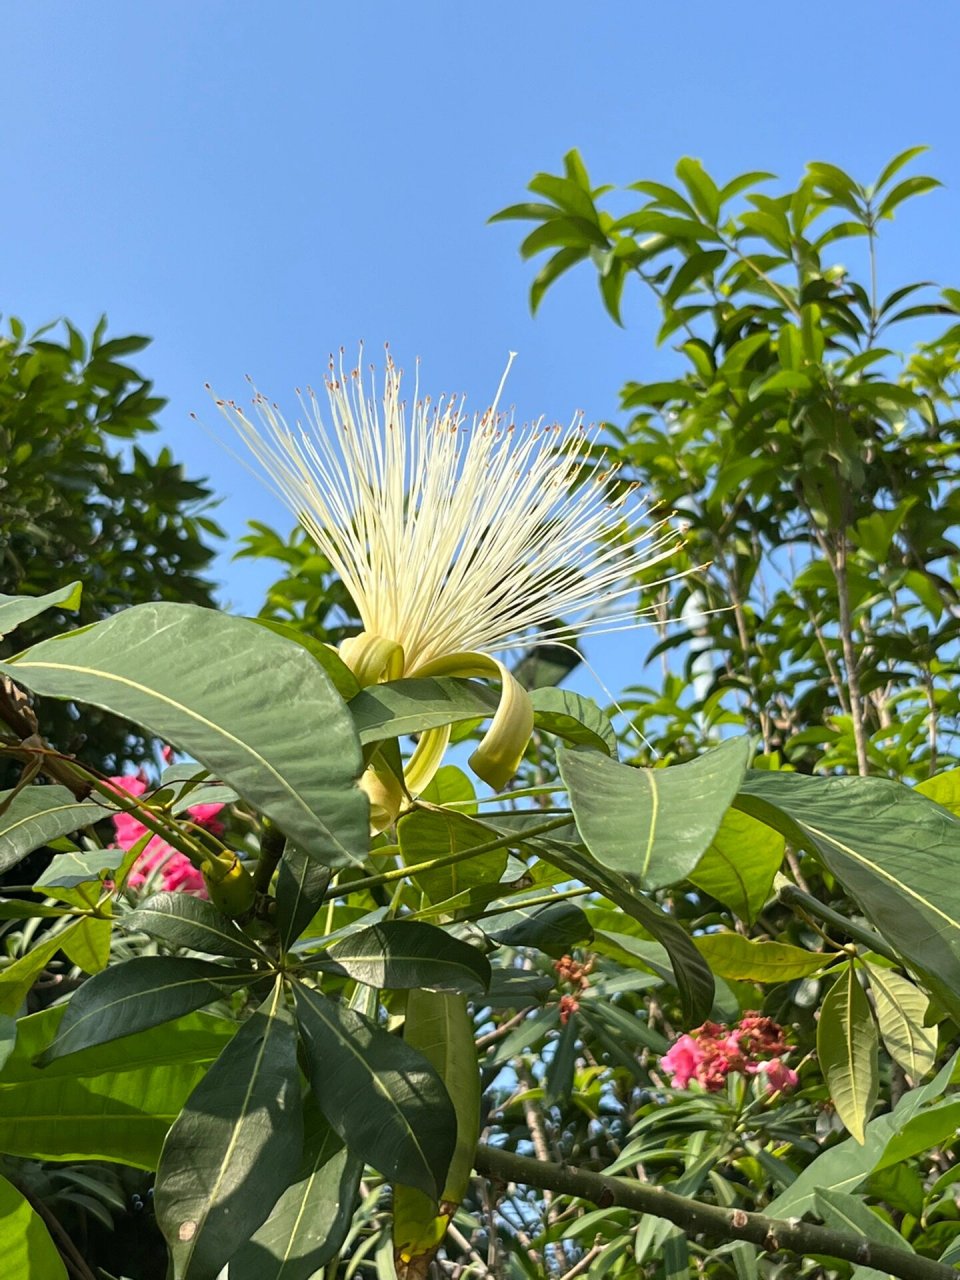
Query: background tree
[[80, 499]]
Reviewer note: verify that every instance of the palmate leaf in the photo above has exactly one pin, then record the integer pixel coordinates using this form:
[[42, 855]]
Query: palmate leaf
[[243, 701], [383, 1098], [894, 851], [235, 1146]]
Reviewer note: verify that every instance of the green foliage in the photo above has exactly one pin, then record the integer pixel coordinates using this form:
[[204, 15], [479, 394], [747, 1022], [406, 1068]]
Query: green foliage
[[79, 498]]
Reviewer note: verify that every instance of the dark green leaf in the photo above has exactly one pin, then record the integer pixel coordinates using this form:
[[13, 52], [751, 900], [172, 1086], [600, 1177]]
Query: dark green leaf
[[554, 927], [181, 920], [37, 815], [235, 1147], [402, 954], [301, 885], [409, 706], [384, 1099], [573, 718]]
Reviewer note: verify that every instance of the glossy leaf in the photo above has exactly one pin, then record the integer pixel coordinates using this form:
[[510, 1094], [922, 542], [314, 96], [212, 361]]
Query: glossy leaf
[[197, 678], [901, 1009], [731, 955], [309, 1223], [573, 718], [301, 885], [383, 1098], [652, 825], [235, 1147], [856, 827], [37, 815], [401, 707], [739, 867], [403, 954], [17, 609], [140, 993], [25, 1243], [553, 927], [847, 1050], [181, 920]]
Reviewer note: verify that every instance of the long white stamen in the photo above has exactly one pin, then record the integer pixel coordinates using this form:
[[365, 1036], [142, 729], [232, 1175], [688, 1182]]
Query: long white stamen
[[453, 537]]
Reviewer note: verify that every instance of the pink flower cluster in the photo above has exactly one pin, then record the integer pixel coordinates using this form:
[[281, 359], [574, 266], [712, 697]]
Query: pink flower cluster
[[176, 870], [755, 1046]]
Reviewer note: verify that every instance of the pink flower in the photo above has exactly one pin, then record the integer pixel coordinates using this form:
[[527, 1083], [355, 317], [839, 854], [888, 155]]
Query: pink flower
[[780, 1077], [176, 870], [682, 1061]]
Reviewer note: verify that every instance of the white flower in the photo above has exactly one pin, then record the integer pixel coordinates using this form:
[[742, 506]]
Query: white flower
[[455, 540]]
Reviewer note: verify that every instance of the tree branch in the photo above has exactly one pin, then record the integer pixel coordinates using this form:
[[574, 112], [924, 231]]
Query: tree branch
[[771, 1234]]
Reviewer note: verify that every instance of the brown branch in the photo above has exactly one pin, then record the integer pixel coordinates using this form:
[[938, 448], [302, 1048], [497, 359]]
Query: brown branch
[[770, 1234]]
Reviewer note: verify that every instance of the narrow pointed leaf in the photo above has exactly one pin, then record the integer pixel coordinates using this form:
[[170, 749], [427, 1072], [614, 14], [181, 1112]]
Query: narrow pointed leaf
[[17, 609], [301, 885], [309, 1222], [400, 955], [181, 920], [653, 825], [129, 997], [37, 815], [244, 701], [847, 1050], [856, 827], [384, 1099], [235, 1147], [901, 1008]]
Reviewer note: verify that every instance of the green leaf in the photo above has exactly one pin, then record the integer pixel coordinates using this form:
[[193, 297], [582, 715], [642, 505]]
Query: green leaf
[[653, 825], [915, 186], [943, 788], [309, 1223], [301, 885], [554, 927], [383, 1098], [67, 870], [901, 1009], [181, 920], [197, 678], [896, 164], [17, 609], [342, 678], [399, 955], [425, 835], [847, 1050], [703, 190], [401, 707], [88, 945], [37, 815], [113, 1102], [733, 956], [846, 1213], [139, 993], [25, 1243], [890, 848], [235, 1147], [573, 718], [931, 1127], [739, 867], [17, 979]]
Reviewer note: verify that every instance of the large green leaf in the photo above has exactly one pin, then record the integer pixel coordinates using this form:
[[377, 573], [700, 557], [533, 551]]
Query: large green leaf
[[256, 709], [235, 1146], [113, 1102], [37, 815], [402, 707], [893, 850], [309, 1222], [573, 718], [847, 1050], [850, 1215], [17, 609], [139, 993], [181, 920], [739, 867], [425, 835], [652, 825], [402, 954], [25, 1244], [730, 955], [901, 1009], [383, 1098]]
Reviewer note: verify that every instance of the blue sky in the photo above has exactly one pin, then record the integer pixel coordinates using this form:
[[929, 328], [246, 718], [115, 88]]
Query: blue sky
[[255, 185]]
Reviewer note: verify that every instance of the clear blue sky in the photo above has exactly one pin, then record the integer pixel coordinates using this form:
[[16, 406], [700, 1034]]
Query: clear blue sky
[[256, 184]]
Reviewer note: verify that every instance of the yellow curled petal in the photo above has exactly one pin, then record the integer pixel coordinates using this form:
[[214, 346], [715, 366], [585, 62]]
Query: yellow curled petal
[[501, 748], [372, 658], [426, 759]]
